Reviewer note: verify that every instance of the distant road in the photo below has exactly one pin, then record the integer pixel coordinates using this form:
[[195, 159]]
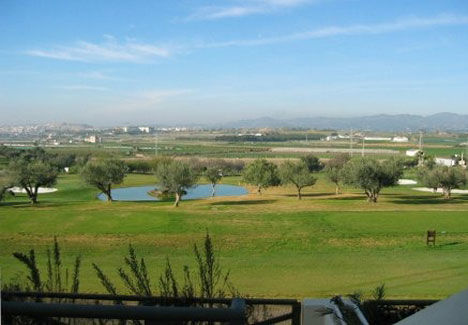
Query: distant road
[[335, 150]]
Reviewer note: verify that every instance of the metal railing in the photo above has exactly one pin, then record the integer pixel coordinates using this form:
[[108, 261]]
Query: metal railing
[[160, 309]]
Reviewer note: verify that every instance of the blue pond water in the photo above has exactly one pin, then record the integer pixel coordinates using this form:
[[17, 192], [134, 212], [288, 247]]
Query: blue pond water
[[140, 193]]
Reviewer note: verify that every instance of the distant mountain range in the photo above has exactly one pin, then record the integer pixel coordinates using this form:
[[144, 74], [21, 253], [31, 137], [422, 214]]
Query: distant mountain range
[[383, 122]]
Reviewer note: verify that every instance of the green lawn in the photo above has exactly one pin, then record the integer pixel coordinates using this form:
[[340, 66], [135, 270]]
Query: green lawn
[[273, 244]]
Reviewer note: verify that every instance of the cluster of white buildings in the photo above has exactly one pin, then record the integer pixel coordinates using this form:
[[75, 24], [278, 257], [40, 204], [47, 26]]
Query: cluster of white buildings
[[250, 134], [93, 139], [397, 139], [449, 162]]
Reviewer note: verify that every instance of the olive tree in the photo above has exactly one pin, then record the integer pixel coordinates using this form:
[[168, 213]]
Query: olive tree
[[334, 170], [429, 177], [4, 185], [175, 177], [214, 175], [103, 174], [297, 174], [452, 178], [262, 174], [372, 175], [447, 178], [313, 163], [30, 175]]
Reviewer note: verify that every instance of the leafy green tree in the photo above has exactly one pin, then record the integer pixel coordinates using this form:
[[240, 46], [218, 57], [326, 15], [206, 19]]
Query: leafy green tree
[[447, 178], [429, 177], [175, 177], [297, 174], [103, 174], [372, 175], [214, 175], [30, 175], [4, 184], [262, 174], [334, 170], [313, 163]]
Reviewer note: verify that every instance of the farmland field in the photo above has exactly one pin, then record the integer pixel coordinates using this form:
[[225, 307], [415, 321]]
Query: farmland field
[[273, 244]]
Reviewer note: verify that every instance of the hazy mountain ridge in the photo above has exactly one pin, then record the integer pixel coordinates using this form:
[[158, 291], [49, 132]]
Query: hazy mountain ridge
[[382, 122]]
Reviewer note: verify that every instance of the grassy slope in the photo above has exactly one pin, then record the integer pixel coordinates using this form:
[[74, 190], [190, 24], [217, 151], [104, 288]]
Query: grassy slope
[[274, 245]]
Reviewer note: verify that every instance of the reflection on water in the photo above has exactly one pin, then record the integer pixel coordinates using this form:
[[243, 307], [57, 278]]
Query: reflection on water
[[140, 193]]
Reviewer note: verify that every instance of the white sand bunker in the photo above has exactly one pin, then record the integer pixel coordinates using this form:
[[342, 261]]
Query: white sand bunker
[[406, 182], [439, 190], [40, 190]]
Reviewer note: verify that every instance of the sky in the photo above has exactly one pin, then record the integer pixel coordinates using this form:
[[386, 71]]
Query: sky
[[188, 62]]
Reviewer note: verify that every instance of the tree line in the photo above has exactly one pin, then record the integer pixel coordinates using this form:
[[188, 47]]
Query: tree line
[[33, 169]]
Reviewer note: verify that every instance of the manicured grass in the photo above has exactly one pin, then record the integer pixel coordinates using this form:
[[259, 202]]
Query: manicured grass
[[273, 244]]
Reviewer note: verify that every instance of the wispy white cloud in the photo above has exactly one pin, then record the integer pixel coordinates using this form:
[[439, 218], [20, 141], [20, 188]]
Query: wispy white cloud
[[352, 30], [110, 50], [133, 51], [245, 8]]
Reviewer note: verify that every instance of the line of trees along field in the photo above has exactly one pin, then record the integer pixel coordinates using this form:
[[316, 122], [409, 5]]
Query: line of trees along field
[[36, 168]]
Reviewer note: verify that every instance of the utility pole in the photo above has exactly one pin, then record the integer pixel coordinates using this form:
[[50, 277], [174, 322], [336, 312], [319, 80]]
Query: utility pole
[[420, 152], [351, 142], [420, 140], [156, 145], [363, 141]]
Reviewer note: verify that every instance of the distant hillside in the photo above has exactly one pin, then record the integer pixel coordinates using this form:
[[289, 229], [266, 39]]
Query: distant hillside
[[383, 122]]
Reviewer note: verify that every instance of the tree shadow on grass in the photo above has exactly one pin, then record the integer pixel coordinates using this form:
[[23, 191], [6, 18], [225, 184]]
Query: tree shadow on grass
[[424, 199], [450, 244], [310, 195], [244, 202], [349, 198], [39, 205], [14, 204]]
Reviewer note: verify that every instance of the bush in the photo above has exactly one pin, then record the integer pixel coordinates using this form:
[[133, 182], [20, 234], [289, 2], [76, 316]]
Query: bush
[[139, 166]]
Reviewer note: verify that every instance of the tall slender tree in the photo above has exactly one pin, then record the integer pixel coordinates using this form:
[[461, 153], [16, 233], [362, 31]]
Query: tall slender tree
[[214, 175]]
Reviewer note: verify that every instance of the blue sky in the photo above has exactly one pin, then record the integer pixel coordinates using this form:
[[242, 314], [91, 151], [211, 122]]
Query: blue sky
[[180, 62]]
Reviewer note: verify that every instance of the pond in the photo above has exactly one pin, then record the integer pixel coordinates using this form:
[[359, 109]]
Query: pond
[[140, 193]]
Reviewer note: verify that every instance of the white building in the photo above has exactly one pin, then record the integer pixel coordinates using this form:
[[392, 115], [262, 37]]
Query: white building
[[412, 152], [445, 162], [144, 129], [93, 139], [377, 139], [400, 139]]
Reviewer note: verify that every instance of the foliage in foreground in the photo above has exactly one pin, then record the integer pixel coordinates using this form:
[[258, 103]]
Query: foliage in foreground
[[57, 277], [211, 280], [208, 281]]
